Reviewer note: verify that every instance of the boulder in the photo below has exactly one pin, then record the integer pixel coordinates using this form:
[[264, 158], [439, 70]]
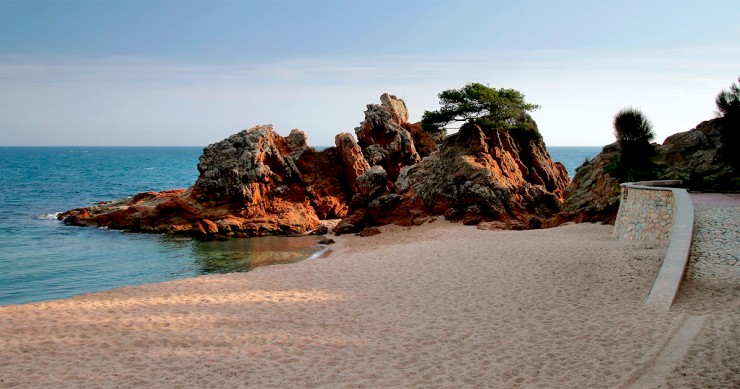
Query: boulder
[[370, 231], [326, 241], [478, 175], [425, 142], [353, 162]]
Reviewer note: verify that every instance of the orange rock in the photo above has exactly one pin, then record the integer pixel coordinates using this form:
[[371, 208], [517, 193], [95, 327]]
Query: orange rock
[[257, 182]]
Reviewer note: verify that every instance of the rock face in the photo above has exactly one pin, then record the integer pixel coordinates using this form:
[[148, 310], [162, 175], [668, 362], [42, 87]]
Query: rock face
[[693, 156], [593, 195], [257, 182], [473, 176], [252, 183], [476, 176], [383, 140]]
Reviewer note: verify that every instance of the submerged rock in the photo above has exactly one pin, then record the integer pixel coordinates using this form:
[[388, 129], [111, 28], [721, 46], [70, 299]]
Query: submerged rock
[[257, 182]]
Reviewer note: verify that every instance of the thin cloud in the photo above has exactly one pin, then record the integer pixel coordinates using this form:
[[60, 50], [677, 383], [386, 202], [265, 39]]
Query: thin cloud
[[578, 92]]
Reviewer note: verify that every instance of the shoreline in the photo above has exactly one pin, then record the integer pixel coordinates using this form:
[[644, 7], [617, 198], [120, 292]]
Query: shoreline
[[438, 305], [198, 258]]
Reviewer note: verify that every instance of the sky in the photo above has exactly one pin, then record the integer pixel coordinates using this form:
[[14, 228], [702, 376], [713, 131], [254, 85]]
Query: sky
[[177, 73]]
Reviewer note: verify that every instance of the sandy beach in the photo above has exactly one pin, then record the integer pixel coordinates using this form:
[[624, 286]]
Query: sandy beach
[[437, 306]]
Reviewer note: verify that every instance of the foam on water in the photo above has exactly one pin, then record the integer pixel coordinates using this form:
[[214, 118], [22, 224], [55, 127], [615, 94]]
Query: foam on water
[[48, 216]]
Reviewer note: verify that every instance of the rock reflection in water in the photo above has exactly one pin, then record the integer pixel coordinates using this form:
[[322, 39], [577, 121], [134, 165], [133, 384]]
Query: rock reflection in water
[[240, 255]]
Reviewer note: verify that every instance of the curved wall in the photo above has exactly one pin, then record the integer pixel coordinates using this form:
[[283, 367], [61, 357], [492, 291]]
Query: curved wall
[[646, 211], [650, 210]]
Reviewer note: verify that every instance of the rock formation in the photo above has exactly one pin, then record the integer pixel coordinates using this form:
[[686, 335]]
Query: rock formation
[[478, 175], [257, 182], [383, 140], [693, 156], [593, 195], [252, 183]]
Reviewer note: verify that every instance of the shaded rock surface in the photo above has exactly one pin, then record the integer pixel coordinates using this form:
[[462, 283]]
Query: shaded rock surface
[[477, 175], [257, 182], [593, 195], [693, 156], [383, 140]]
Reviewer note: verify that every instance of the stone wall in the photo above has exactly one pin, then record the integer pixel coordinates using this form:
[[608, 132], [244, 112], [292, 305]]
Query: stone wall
[[652, 210], [646, 211]]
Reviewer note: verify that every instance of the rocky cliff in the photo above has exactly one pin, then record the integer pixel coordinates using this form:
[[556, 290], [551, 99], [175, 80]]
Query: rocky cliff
[[257, 182], [593, 195], [694, 156], [478, 175]]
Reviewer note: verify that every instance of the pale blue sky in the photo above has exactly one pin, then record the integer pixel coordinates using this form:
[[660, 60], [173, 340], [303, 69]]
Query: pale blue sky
[[192, 73]]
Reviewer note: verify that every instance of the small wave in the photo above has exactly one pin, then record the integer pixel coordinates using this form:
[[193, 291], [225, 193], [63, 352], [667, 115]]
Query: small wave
[[320, 252], [148, 168], [48, 216]]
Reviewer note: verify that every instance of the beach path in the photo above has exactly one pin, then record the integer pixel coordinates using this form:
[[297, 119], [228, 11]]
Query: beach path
[[711, 291]]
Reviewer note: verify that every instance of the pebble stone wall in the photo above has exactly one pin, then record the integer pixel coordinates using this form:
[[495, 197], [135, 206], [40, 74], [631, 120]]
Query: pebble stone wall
[[645, 213]]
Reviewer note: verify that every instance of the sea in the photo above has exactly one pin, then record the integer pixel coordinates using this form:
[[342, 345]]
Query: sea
[[42, 259]]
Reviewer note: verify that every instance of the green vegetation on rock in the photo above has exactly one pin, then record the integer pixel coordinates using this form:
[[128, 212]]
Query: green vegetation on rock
[[501, 109], [728, 111], [634, 133], [705, 158]]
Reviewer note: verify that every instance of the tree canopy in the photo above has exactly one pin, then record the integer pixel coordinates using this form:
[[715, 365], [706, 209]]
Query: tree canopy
[[483, 105]]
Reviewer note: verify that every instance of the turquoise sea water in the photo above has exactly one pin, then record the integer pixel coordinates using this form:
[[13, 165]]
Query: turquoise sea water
[[42, 259], [573, 156]]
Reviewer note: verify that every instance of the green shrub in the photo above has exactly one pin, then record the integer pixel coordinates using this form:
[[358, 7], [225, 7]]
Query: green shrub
[[728, 110], [634, 133], [480, 104]]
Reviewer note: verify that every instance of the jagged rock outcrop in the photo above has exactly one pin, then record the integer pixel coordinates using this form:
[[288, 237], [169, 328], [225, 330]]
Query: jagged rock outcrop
[[593, 195], [383, 140], [257, 182], [478, 175], [694, 156], [353, 162], [252, 183]]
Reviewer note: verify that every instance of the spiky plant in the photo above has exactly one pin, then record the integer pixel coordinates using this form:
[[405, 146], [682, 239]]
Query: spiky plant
[[631, 125], [728, 101], [634, 133], [728, 111]]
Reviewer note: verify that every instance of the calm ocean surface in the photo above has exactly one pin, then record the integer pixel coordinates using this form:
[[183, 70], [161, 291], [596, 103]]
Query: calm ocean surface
[[42, 259]]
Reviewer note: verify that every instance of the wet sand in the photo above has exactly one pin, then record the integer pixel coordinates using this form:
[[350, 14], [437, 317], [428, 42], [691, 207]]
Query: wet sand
[[440, 305]]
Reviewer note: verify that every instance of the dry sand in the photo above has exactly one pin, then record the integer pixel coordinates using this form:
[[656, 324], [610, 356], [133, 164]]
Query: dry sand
[[441, 305]]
